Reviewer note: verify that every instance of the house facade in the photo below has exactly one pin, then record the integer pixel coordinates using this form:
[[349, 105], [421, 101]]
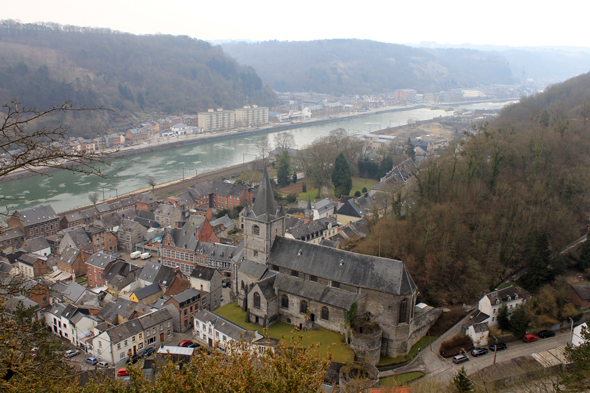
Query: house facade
[[490, 304], [38, 221]]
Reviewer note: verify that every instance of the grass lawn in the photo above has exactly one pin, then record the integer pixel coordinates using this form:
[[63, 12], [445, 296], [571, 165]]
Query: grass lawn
[[328, 340], [420, 345], [506, 285], [358, 184], [82, 280], [400, 380]]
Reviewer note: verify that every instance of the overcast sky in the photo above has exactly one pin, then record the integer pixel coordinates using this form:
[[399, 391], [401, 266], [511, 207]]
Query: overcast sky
[[498, 22]]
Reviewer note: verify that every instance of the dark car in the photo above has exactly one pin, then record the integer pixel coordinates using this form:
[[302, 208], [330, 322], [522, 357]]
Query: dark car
[[498, 347], [194, 345], [479, 352], [133, 359], [185, 343], [460, 359], [148, 351], [546, 334]]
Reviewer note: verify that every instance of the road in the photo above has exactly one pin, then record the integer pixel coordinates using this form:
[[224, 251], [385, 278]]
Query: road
[[444, 369]]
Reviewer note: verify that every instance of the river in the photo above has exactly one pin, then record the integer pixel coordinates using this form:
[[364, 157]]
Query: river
[[66, 190]]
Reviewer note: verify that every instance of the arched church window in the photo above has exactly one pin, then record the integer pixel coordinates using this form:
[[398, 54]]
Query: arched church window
[[256, 300], [256, 230], [325, 314], [284, 301], [303, 307], [403, 311], [242, 285]]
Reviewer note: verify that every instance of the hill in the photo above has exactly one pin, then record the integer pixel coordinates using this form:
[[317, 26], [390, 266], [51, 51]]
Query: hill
[[505, 196], [46, 64], [350, 66]]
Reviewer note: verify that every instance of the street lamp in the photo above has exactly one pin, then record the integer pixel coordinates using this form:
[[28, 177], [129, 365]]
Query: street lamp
[[572, 331]]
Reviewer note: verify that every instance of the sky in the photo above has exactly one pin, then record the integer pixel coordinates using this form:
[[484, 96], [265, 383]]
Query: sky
[[454, 22]]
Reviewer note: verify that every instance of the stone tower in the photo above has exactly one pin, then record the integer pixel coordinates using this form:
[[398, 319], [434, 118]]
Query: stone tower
[[263, 222]]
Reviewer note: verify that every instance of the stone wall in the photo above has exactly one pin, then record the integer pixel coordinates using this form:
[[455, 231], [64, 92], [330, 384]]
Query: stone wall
[[366, 343]]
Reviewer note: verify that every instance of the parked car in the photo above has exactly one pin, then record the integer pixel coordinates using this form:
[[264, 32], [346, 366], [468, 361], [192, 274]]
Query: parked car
[[103, 365], [194, 345], [546, 333], [91, 360], [226, 284], [479, 352], [145, 255], [498, 347], [148, 351], [529, 338], [122, 372], [460, 359], [185, 343], [70, 353], [135, 254], [133, 359]]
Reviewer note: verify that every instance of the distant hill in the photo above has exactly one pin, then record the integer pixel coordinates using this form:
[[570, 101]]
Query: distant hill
[[350, 66], [46, 64]]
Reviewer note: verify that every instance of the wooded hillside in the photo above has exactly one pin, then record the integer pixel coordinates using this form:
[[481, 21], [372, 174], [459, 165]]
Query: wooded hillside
[[485, 207], [47, 64], [347, 66]]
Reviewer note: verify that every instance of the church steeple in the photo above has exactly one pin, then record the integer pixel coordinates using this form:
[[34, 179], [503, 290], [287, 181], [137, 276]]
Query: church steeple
[[265, 202]]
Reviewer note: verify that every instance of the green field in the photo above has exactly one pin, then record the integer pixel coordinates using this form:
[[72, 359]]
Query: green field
[[329, 341], [420, 345], [358, 184], [400, 380]]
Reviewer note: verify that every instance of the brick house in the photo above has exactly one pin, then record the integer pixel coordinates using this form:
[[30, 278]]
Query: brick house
[[220, 195], [102, 239], [187, 303], [580, 295], [38, 221], [71, 261], [146, 201], [76, 238], [31, 266], [78, 218], [12, 237], [97, 265]]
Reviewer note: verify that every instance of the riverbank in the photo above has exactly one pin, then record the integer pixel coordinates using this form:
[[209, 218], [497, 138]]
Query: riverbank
[[214, 137]]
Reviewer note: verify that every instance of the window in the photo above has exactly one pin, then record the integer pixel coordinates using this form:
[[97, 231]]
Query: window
[[140, 336], [216, 334], [303, 307], [196, 324], [256, 230], [255, 253], [313, 278], [224, 338], [185, 312], [162, 327], [325, 314], [126, 343], [140, 346], [275, 268], [403, 311], [100, 344], [122, 355], [294, 273], [335, 284], [133, 339], [284, 301], [256, 300]]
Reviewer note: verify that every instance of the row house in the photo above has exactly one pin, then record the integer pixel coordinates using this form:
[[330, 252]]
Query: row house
[[102, 240], [208, 281], [69, 322], [186, 303], [31, 265], [112, 141], [146, 201], [38, 221], [12, 237], [171, 280], [71, 261], [167, 214], [79, 218], [97, 265], [120, 342], [314, 231], [76, 238], [220, 195], [137, 135], [122, 204], [130, 233]]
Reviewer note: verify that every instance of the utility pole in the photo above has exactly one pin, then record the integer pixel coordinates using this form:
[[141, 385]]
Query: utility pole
[[103, 194], [572, 331]]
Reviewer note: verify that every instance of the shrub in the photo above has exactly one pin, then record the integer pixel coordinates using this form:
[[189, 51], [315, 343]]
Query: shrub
[[357, 194], [291, 198], [364, 190], [454, 346], [304, 187]]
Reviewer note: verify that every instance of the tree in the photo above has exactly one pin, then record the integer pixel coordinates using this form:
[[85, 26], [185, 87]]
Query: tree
[[504, 317], [519, 321], [317, 161], [294, 180], [585, 255], [152, 182], [30, 146], [461, 382], [385, 166], [577, 376], [263, 148], [304, 187], [284, 141], [93, 197], [410, 152], [341, 177], [283, 169], [537, 272]]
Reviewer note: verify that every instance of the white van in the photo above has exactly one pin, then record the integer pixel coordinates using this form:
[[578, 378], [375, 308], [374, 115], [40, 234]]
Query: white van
[[135, 254], [145, 255]]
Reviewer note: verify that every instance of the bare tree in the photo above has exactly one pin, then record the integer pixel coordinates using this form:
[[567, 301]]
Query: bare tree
[[93, 197], [152, 182], [284, 140], [26, 147], [263, 147], [317, 161]]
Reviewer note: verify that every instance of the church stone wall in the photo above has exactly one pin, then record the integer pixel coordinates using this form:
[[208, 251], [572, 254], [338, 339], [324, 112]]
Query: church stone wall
[[367, 346]]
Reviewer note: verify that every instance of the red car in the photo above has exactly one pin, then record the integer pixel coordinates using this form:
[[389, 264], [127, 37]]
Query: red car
[[122, 372], [185, 343], [529, 338]]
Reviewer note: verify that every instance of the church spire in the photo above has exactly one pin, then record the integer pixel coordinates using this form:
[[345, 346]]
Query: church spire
[[265, 201]]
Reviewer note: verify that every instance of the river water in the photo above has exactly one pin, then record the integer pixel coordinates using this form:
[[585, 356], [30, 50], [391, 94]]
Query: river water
[[65, 190]]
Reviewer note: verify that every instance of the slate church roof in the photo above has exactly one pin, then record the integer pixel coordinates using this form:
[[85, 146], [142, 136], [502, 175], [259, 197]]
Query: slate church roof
[[265, 208], [365, 271]]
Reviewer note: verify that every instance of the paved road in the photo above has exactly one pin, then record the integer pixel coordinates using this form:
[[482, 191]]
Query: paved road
[[444, 369]]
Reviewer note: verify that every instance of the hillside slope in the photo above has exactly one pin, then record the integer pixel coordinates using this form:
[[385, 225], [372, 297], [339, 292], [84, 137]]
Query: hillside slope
[[350, 66], [47, 64]]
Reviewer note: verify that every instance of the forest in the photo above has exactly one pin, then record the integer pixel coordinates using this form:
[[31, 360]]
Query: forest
[[133, 76], [350, 66], [505, 198]]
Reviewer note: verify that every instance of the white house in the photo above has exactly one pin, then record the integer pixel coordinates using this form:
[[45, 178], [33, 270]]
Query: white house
[[324, 209], [578, 338], [65, 320], [479, 334], [490, 304]]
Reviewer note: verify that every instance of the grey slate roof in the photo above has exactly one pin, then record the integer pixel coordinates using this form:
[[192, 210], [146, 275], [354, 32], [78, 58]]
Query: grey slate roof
[[303, 230], [154, 272], [223, 325], [69, 255], [225, 221], [36, 215], [265, 207], [203, 272], [36, 244], [217, 251], [351, 208], [324, 205], [503, 295], [27, 259], [122, 307], [100, 260], [266, 286], [79, 238], [103, 208], [366, 271], [147, 198], [186, 295], [155, 318], [583, 291], [73, 291], [317, 292], [146, 291], [11, 304], [11, 233], [218, 188], [252, 269]]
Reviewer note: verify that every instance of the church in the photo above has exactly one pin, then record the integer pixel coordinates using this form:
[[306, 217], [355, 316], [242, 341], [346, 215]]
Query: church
[[313, 286]]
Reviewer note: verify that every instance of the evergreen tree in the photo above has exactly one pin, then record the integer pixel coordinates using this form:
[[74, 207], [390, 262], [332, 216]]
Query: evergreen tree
[[461, 382], [294, 177], [585, 255], [518, 321], [385, 166], [538, 264], [410, 150], [341, 177], [577, 377], [283, 169], [504, 318]]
